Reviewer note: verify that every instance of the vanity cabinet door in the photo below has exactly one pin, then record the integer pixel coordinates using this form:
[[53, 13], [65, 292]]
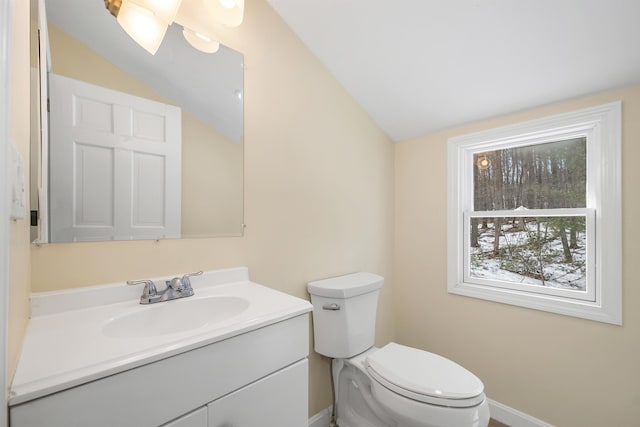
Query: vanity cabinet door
[[197, 418], [279, 399]]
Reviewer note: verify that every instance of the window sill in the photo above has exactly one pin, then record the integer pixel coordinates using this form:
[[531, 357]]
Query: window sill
[[566, 306]]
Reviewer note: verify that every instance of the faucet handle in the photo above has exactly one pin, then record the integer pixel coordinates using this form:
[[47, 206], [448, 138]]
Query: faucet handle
[[176, 283], [149, 287], [185, 279]]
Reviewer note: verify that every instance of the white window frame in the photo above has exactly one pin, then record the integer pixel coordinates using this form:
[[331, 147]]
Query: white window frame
[[602, 127]]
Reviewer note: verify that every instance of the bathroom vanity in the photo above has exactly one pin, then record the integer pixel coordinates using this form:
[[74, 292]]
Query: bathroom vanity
[[234, 354]]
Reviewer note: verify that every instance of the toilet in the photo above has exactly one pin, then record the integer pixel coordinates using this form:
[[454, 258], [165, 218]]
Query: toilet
[[391, 386]]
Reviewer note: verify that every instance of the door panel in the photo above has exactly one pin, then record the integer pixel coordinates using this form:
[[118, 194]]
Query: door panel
[[94, 189], [115, 164]]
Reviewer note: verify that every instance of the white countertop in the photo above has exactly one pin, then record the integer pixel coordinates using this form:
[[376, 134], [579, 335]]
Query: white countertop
[[65, 345]]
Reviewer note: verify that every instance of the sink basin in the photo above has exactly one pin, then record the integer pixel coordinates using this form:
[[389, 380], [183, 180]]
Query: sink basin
[[176, 316]]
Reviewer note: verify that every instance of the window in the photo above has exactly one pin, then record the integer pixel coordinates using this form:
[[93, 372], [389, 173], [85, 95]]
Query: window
[[534, 214]]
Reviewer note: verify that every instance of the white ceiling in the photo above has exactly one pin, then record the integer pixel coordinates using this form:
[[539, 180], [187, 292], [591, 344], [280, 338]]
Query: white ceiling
[[417, 66]]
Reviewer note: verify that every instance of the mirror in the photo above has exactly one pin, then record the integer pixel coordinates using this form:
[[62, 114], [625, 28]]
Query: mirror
[[141, 146]]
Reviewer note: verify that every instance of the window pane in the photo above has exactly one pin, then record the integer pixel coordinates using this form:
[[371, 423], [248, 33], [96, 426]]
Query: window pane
[[543, 251], [541, 176]]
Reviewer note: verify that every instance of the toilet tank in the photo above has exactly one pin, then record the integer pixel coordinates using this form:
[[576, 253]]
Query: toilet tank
[[344, 313]]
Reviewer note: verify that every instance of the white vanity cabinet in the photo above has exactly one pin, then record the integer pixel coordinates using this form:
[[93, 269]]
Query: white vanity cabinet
[[258, 378], [197, 418], [279, 399], [232, 355]]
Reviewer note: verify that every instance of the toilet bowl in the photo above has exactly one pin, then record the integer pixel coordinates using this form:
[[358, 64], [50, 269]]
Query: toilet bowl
[[391, 386]]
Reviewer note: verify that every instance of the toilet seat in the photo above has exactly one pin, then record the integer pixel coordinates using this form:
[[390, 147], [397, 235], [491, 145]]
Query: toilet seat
[[424, 376]]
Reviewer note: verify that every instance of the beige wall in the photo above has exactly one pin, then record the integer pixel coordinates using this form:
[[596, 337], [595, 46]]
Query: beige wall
[[211, 162], [19, 256], [563, 370], [318, 190]]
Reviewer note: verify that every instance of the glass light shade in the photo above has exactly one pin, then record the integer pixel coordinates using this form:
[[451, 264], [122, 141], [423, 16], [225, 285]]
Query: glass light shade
[[227, 4], [200, 41], [228, 12], [238, 13], [163, 9], [142, 25]]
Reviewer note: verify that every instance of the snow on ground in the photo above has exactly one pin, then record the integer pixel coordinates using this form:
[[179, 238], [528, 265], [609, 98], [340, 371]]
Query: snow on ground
[[514, 248]]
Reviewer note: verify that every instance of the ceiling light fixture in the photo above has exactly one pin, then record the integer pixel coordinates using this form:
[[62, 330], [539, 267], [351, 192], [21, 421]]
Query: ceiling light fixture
[[228, 4], [229, 12], [140, 23], [146, 21], [200, 41], [163, 9]]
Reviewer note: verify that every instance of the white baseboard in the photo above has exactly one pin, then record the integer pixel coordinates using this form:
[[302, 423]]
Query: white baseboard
[[321, 419], [499, 412], [513, 417]]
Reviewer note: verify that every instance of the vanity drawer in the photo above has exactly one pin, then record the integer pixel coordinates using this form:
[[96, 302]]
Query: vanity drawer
[[277, 400]]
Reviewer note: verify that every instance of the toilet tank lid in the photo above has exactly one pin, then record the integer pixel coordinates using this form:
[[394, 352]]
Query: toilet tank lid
[[347, 286]]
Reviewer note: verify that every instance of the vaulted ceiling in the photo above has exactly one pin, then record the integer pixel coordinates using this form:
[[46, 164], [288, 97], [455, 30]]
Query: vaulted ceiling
[[417, 66]]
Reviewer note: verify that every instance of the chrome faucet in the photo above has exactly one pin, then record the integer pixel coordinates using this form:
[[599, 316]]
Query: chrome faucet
[[178, 287]]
